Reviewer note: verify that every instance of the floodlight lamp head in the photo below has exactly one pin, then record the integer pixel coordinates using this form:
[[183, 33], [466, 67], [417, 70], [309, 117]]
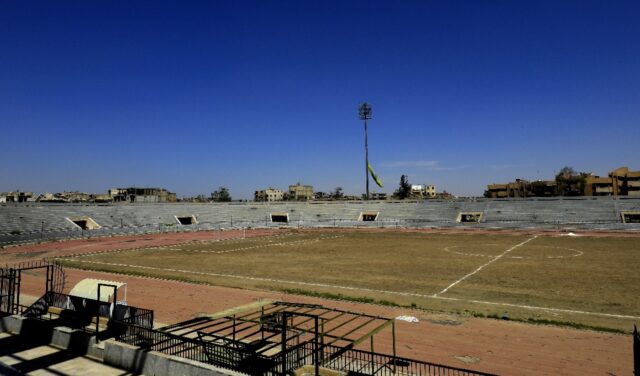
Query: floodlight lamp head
[[365, 111]]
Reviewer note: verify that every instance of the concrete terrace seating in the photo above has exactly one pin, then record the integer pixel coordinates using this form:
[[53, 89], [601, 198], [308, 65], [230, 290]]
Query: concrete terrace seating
[[34, 221]]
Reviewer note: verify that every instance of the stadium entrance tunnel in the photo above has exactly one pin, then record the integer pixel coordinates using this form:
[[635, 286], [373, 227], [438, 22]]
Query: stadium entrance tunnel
[[84, 223], [368, 216], [630, 216], [470, 217], [186, 220], [280, 217]]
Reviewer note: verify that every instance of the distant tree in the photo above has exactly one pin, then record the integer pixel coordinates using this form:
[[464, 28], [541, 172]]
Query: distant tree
[[569, 182], [337, 193], [221, 195], [404, 189], [487, 194], [321, 195]]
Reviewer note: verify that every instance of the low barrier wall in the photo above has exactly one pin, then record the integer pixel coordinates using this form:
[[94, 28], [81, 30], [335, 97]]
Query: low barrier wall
[[138, 360]]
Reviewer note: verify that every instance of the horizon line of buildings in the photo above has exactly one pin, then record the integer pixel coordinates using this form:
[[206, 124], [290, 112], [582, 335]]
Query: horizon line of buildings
[[619, 182], [296, 192], [131, 194]]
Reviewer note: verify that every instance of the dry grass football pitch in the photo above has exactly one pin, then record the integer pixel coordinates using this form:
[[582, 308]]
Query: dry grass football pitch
[[592, 281]]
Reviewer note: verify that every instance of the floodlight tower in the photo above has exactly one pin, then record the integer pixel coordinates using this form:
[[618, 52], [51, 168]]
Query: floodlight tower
[[365, 114]]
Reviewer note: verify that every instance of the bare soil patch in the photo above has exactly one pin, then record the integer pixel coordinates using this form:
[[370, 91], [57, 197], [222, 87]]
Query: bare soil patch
[[502, 347], [589, 281]]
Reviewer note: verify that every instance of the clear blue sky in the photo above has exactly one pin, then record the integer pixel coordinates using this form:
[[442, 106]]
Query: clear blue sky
[[195, 95]]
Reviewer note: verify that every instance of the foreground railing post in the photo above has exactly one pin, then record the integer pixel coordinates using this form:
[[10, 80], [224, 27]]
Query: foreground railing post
[[115, 300], [372, 356], [283, 351], [636, 351], [316, 347], [393, 335]]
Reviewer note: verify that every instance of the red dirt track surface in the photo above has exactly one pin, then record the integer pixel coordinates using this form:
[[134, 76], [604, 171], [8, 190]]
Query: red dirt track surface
[[501, 347]]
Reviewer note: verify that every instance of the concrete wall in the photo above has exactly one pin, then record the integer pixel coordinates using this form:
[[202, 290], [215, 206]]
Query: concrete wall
[[135, 359]]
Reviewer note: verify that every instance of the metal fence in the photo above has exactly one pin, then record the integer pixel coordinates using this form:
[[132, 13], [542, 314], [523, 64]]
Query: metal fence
[[11, 279], [133, 315], [371, 363], [7, 291], [79, 312], [166, 343], [243, 359]]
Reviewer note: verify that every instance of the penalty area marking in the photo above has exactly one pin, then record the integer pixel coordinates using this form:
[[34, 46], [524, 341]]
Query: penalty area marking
[[496, 258], [351, 288]]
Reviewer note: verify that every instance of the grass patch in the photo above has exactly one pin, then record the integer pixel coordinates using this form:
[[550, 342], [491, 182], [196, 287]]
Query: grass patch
[[560, 323], [357, 299], [575, 325], [136, 273], [395, 269]]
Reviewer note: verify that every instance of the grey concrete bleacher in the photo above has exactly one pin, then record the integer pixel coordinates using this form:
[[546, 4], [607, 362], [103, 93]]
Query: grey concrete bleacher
[[34, 221]]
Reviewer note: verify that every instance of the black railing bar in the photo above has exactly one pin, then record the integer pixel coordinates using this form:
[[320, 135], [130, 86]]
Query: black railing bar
[[229, 342], [326, 332], [236, 327], [178, 343], [413, 361], [188, 324], [187, 348], [241, 319], [206, 324], [344, 336], [315, 306], [260, 330], [311, 317], [277, 344], [366, 363]]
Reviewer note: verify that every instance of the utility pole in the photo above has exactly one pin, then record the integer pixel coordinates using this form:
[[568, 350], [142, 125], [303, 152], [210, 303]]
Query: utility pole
[[365, 114]]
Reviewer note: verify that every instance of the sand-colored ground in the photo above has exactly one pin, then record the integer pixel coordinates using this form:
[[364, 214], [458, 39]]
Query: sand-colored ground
[[488, 345]]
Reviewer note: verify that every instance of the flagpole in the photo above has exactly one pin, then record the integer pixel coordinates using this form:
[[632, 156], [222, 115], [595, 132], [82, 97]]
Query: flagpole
[[365, 114]]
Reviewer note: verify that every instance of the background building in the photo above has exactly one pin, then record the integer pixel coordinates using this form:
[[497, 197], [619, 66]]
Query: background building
[[619, 182], [134, 194], [300, 192], [16, 196], [268, 195], [625, 182], [423, 191]]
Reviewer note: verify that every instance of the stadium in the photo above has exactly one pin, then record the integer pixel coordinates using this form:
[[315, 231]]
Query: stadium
[[525, 264], [206, 188]]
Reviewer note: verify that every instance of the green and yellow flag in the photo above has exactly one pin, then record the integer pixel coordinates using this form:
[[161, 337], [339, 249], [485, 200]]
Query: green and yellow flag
[[375, 177]]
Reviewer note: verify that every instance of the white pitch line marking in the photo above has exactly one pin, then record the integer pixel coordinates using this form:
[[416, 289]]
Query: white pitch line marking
[[576, 252], [351, 288], [179, 247], [498, 257], [293, 242]]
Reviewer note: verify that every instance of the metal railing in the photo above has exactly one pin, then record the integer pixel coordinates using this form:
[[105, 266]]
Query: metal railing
[[371, 363], [243, 359], [636, 351], [133, 315], [166, 343]]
